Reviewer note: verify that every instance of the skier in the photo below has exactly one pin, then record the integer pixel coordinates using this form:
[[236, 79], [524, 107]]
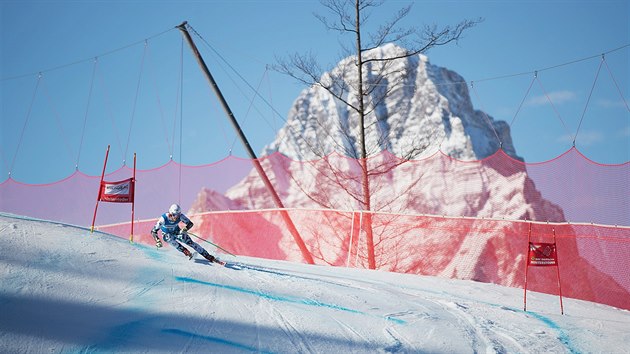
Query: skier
[[171, 233]]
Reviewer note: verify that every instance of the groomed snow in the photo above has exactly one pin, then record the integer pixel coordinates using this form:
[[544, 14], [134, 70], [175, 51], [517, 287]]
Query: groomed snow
[[63, 289]]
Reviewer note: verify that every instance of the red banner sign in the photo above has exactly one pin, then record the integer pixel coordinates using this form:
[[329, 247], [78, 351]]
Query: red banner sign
[[117, 192], [542, 254]]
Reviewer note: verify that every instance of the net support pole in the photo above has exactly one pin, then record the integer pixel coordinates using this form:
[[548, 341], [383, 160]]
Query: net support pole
[[529, 238], [350, 242], [285, 215], [356, 258], [98, 196], [558, 271], [133, 200]]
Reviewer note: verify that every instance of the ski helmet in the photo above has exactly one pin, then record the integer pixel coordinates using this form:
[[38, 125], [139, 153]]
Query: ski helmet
[[174, 210]]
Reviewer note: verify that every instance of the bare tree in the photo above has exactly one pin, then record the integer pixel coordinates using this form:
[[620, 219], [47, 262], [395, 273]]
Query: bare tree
[[348, 17]]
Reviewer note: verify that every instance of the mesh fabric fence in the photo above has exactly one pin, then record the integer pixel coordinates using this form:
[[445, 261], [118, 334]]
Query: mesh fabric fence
[[435, 216]]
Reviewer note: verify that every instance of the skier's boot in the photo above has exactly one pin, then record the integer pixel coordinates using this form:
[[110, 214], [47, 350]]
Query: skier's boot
[[187, 253], [212, 258], [208, 256]]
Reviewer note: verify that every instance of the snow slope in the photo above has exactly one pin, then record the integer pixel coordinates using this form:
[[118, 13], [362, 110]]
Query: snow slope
[[63, 289]]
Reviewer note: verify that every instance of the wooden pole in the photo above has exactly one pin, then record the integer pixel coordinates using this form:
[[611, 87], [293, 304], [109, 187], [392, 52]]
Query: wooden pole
[[285, 215]]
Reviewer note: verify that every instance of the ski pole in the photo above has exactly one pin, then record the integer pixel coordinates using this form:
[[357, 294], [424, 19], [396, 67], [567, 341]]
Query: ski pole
[[214, 244]]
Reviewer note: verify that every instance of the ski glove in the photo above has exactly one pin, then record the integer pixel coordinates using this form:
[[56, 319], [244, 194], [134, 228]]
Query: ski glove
[[158, 243]]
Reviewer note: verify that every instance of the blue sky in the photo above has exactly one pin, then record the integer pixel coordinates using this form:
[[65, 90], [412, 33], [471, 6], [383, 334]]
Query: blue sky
[[92, 93]]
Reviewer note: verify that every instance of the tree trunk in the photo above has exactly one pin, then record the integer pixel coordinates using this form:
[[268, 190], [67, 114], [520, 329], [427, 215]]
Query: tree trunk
[[365, 183]]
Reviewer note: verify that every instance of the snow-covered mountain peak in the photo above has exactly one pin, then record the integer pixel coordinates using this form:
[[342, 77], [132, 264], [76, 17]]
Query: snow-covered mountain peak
[[413, 108]]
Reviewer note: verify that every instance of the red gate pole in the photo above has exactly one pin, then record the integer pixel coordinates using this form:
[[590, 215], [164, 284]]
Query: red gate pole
[[133, 198], [529, 236], [558, 269], [100, 188]]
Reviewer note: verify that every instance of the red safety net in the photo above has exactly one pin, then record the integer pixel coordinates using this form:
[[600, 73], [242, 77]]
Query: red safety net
[[593, 260], [434, 216]]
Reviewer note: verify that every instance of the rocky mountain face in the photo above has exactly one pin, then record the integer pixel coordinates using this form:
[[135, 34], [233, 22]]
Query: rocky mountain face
[[413, 105], [429, 150]]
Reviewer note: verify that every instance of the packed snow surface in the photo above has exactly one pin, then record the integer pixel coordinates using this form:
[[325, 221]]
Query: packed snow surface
[[63, 289]]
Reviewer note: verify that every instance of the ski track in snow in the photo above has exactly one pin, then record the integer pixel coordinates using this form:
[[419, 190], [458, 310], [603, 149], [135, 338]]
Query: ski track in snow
[[265, 274], [482, 336], [479, 332], [298, 342]]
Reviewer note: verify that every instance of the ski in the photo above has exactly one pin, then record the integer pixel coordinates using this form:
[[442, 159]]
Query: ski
[[209, 259], [234, 266], [203, 260]]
